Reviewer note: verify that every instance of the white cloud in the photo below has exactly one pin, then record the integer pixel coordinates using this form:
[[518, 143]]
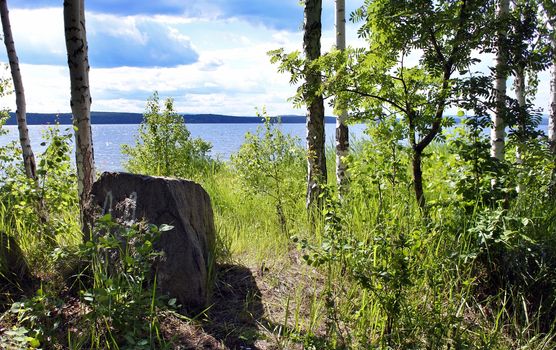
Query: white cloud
[[232, 74]]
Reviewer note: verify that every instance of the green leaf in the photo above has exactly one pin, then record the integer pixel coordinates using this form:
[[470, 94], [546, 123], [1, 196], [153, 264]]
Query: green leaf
[[33, 342]]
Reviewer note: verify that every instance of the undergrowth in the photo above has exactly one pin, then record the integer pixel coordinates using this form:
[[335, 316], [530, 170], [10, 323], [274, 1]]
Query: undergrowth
[[478, 272]]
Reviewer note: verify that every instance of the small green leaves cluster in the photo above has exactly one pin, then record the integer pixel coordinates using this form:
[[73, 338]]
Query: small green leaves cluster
[[164, 146], [118, 287], [270, 163], [37, 319]]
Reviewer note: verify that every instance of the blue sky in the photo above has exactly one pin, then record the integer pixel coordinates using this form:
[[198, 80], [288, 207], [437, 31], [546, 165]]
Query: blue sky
[[209, 55]]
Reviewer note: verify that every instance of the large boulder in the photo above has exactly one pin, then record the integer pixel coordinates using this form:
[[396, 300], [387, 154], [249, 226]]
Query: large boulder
[[182, 273]]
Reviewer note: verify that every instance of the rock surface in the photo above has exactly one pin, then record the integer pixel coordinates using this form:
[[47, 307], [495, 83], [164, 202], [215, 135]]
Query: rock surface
[[183, 204]]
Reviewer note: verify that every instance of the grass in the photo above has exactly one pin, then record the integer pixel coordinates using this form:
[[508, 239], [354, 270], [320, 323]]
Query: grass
[[376, 274]]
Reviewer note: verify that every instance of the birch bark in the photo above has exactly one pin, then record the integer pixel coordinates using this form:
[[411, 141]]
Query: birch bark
[[342, 131], [552, 115], [21, 113], [78, 63], [520, 95], [497, 135]]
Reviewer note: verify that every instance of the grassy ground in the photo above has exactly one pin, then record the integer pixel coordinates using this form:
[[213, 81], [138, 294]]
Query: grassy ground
[[373, 272]]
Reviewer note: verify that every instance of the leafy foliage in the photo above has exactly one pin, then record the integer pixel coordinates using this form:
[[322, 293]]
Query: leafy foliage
[[265, 163], [122, 309], [164, 146]]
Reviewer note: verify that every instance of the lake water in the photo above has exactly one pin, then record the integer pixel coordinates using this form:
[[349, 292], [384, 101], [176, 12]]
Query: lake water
[[225, 138], [107, 139]]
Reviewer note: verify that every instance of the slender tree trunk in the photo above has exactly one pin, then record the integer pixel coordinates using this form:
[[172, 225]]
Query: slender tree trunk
[[498, 134], [28, 156], [342, 132], [552, 115], [416, 161], [418, 180], [520, 95], [316, 160], [78, 62]]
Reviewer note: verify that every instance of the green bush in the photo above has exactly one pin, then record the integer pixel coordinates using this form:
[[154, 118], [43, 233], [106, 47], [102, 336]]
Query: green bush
[[164, 146], [117, 286], [270, 163], [40, 215]]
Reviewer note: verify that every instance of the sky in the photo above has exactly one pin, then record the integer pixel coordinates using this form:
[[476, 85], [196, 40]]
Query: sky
[[210, 56]]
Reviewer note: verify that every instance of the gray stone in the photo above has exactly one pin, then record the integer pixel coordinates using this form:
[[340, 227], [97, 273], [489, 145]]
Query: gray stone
[[183, 271]]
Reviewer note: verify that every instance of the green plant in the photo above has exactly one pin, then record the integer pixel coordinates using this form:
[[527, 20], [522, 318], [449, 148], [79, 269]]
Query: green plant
[[477, 171], [39, 215], [164, 146], [18, 338], [121, 297], [269, 163], [37, 319]]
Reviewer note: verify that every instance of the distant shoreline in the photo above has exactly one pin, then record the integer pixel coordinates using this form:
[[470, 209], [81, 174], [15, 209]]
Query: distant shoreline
[[136, 118], [111, 118]]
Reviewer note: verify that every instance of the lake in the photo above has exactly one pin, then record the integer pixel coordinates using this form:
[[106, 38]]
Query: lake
[[226, 139]]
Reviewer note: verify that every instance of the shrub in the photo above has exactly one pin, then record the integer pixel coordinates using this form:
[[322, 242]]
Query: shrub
[[117, 289], [271, 163], [164, 146]]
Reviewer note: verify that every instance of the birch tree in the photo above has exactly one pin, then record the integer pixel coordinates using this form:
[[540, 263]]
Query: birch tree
[[78, 62], [379, 83], [552, 114], [316, 159], [527, 56], [550, 12], [549, 8], [21, 115], [342, 132], [497, 134]]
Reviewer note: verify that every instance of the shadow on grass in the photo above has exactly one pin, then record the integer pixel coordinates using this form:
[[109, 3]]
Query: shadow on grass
[[237, 308], [237, 317]]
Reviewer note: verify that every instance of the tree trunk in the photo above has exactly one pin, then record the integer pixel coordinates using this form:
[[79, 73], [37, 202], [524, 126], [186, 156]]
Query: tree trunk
[[497, 134], [28, 156], [316, 160], [342, 132], [552, 115], [520, 95], [78, 62], [418, 179]]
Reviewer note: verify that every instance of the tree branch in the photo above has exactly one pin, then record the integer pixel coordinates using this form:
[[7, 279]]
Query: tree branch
[[380, 98], [437, 49]]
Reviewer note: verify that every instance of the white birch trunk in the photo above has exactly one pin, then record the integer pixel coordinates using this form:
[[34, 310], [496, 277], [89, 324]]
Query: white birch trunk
[[342, 131], [520, 95], [497, 135], [78, 62], [21, 114]]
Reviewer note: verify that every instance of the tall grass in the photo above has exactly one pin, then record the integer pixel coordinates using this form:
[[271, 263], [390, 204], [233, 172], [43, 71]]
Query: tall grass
[[373, 272]]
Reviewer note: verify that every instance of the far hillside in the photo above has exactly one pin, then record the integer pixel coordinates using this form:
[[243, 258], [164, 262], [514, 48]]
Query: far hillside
[[136, 118]]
